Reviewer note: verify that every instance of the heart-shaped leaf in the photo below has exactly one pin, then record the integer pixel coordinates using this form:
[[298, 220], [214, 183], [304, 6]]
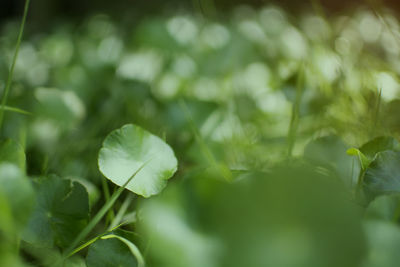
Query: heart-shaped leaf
[[383, 175], [61, 212], [126, 149]]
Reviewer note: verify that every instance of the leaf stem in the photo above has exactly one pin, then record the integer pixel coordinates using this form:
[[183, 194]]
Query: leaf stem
[[106, 191], [88, 243], [7, 89], [100, 214], [121, 212]]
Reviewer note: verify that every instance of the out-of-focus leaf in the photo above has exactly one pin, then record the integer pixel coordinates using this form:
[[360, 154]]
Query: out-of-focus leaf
[[11, 151], [330, 152], [60, 106], [383, 175], [384, 244], [61, 212], [289, 217], [16, 195], [383, 207], [171, 239], [379, 144], [126, 149]]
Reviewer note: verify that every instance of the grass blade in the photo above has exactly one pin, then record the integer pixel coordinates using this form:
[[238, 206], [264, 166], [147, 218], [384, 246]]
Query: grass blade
[[7, 89], [16, 110]]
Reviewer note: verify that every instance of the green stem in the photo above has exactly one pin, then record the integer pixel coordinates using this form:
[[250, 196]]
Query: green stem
[[91, 241], [106, 191], [121, 212], [376, 113], [16, 110], [100, 214], [7, 89], [88, 243], [294, 120]]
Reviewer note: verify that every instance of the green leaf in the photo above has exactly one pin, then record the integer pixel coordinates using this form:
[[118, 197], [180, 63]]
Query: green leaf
[[16, 193], [329, 152], [61, 212], [63, 107], [132, 247], [383, 207], [167, 232], [383, 175], [110, 253], [379, 144], [11, 151], [126, 149], [384, 244], [96, 219]]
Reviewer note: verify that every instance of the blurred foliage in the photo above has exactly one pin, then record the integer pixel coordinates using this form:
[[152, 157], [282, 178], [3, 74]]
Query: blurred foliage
[[259, 108]]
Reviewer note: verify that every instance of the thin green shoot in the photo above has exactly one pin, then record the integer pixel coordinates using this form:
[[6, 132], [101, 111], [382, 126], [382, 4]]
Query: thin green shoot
[[7, 88], [376, 113], [16, 110], [294, 120], [94, 239]]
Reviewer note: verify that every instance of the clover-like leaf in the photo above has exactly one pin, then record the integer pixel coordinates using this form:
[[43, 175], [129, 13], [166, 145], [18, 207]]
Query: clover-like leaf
[[61, 212], [383, 175], [126, 149]]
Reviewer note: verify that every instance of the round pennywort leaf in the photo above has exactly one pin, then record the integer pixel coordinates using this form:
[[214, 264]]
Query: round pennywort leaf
[[127, 149]]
